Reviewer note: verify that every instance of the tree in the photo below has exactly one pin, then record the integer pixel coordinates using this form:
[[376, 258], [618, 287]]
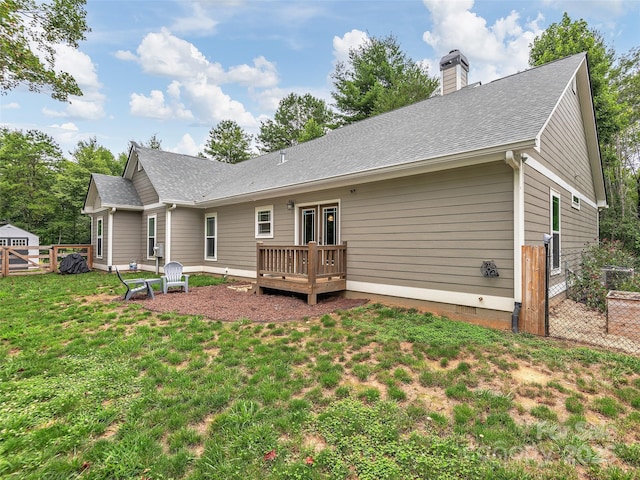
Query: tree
[[154, 142], [29, 164], [569, 37], [566, 38], [29, 33], [379, 77], [228, 143], [70, 225], [297, 119]]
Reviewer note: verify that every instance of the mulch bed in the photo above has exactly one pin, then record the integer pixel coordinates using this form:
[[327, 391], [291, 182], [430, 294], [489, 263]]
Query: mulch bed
[[231, 302]]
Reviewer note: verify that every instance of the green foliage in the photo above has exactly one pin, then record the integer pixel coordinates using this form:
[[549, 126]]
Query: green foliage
[[228, 143], [106, 389], [30, 26], [570, 37], [299, 118], [629, 453], [379, 77], [587, 286], [31, 163]]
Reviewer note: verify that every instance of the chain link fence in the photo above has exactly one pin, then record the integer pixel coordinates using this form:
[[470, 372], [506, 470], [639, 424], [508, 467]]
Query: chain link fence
[[588, 303]]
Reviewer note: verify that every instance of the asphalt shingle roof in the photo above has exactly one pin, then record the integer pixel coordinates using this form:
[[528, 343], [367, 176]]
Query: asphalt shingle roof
[[116, 191], [504, 112]]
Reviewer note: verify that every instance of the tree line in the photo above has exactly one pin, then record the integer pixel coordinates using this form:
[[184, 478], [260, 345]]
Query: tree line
[[43, 192]]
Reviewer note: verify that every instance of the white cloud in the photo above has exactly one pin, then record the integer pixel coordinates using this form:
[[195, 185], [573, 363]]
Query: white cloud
[[187, 146], [161, 53], [10, 106], [210, 104], [125, 55], [198, 22], [194, 91], [90, 106], [263, 74], [350, 40], [493, 50], [154, 106]]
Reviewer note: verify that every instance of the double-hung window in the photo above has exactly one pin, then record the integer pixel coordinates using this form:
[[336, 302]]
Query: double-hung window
[[210, 236], [264, 222], [99, 223], [151, 235], [554, 245]]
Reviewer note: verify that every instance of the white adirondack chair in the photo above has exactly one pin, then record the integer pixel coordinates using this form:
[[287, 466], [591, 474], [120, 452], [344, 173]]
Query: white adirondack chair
[[173, 277]]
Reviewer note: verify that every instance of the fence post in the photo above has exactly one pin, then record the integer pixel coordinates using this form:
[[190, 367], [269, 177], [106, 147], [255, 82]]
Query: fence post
[[4, 267], [532, 314]]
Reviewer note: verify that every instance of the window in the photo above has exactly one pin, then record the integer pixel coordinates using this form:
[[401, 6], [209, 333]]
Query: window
[[264, 222], [4, 242], [554, 245], [210, 245], [151, 236], [99, 237], [308, 225], [320, 224], [575, 202], [329, 225]]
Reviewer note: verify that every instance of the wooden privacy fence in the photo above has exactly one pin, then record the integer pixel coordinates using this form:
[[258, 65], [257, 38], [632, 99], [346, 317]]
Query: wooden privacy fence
[[24, 260], [310, 269], [533, 312]]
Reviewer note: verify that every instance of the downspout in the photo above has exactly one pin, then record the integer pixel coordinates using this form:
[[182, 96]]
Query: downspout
[[110, 239], [167, 236], [518, 231]]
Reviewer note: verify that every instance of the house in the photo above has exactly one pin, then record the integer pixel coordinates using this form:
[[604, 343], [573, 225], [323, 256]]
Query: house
[[12, 236], [434, 200]]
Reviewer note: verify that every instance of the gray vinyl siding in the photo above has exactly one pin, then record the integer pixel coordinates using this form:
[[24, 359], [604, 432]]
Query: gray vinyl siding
[[429, 231], [160, 233], [564, 152], [433, 231], [146, 192], [105, 236], [187, 236], [236, 233], [126, 229], [449, 80]]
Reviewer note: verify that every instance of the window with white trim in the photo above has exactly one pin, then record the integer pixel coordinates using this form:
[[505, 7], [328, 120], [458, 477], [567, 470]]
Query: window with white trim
[[151, 235], [264, 222], [4, 242], [575, 201], [99, 237], [210, 237], [554, 245]]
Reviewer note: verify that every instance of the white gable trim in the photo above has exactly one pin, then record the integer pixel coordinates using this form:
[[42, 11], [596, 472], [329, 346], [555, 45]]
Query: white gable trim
[[544, 171]]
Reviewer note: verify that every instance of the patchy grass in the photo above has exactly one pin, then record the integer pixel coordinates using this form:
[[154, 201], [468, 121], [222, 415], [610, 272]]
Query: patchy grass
[[94, 388]]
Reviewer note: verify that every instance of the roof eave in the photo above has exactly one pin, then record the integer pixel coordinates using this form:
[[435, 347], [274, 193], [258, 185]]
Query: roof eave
[[457, 160]]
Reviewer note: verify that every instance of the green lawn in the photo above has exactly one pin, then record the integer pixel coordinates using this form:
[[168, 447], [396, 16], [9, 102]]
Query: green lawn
[[97, 389]]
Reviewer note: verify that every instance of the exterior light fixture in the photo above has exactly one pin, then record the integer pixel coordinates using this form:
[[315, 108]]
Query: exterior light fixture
[[290, 205]]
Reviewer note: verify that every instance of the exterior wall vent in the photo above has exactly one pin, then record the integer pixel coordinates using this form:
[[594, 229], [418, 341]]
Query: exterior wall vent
[[466, 310], [454, 68]]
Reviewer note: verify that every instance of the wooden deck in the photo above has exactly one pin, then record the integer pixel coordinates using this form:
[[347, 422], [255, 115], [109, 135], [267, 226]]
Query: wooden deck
[[308, 269]]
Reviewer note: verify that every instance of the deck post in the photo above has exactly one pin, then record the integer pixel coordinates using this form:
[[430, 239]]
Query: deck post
[[259, 289], [312, 298]]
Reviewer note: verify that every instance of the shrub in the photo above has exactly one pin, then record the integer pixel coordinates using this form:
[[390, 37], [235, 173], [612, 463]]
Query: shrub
[[587, 286]]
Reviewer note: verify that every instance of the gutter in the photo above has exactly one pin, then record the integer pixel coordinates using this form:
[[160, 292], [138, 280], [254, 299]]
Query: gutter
[[458, 160]]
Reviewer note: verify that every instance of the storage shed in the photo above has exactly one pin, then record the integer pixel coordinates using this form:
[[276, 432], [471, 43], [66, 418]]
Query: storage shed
[[12, 236]]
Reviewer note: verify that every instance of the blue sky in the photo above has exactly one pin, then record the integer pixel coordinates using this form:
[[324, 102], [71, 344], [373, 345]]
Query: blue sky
[[175, 68]]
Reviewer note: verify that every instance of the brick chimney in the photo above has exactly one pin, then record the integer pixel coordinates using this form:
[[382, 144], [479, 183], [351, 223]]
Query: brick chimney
[[454, 68]]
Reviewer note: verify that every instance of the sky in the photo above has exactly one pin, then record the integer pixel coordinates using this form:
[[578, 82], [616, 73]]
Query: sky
[[176, 68]]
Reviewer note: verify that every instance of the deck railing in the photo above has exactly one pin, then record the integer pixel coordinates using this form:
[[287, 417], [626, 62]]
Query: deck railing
[[307, 269], [310, 261]]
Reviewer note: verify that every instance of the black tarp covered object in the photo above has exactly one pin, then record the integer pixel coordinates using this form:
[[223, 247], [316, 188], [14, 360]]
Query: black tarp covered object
[[73, 263]]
